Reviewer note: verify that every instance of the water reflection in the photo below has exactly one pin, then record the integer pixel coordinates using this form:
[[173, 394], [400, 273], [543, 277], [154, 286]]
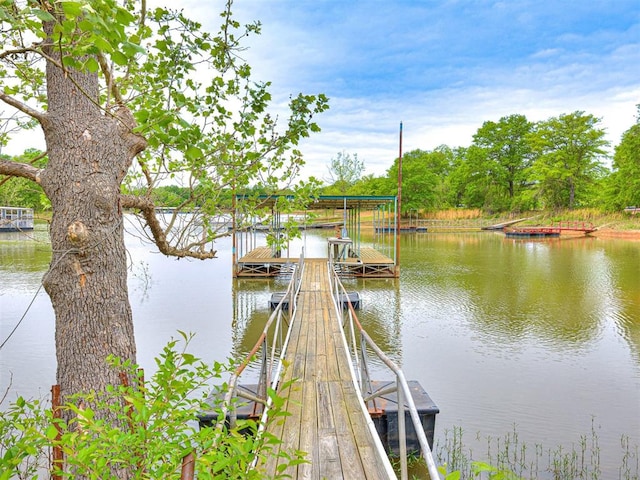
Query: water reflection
[[560, 292], [541, 334], [251, 311], [23, 259], [624, 258]]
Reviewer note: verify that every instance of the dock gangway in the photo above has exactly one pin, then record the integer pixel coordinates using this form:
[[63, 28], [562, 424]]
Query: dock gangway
[[324, 383]]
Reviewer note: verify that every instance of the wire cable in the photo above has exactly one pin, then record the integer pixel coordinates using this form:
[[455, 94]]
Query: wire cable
[[64, 254]]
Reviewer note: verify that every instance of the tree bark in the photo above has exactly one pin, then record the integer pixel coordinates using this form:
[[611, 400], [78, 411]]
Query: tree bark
[[89, 153]]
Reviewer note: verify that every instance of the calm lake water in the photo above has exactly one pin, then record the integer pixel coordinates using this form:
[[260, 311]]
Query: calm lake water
[[537, 337]]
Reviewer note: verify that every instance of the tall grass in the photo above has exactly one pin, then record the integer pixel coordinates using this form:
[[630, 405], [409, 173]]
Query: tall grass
[[579, 462]]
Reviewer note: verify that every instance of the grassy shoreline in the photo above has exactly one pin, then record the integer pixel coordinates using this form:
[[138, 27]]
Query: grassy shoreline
[[610, 225]]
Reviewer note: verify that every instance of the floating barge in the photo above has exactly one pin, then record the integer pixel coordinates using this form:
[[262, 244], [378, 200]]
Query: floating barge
[[573, 228], [352, 298], [384, 414], [16, 219], [532, 232]]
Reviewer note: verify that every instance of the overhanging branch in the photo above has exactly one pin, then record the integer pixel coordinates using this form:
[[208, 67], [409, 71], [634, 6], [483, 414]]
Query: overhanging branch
[[18, 169], [147, 209], [23, 107]]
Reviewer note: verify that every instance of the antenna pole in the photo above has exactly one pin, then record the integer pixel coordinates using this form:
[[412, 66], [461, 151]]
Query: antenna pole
[[399, 207]]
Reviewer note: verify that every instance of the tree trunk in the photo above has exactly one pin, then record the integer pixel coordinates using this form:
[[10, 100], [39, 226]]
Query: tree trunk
[[572, 193], [89, 153]]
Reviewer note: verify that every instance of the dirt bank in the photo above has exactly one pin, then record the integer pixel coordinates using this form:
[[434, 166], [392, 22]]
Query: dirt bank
[[614, 233]]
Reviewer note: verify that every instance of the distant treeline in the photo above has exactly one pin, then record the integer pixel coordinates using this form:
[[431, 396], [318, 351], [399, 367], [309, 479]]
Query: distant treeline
[[513, 164]]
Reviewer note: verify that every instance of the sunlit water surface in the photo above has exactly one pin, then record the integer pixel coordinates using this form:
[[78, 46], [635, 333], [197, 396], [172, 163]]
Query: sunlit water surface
[[537, 337]]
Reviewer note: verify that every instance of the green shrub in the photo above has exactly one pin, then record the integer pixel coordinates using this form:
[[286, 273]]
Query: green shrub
[[138, 431]]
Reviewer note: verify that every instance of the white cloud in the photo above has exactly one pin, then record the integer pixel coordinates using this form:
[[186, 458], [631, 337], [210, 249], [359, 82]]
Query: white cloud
[[442, 68]]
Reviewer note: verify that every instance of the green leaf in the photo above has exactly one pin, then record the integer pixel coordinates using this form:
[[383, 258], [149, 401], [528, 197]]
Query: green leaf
[[188, 358], [52, 432], [71, 62], [478, 467], [119, 58], [124, 17], [92, 64], [193, 153], [132, 48], [102, 44], [71, 9], [42, 15]]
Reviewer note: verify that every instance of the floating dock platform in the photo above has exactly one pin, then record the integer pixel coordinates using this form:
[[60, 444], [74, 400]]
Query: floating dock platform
[[384, 414]]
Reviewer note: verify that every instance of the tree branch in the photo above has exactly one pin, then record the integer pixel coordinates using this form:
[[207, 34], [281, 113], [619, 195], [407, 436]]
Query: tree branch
[[112, 87], [147, 208], [18, 169], [31, 162], [23, 107], [18, 51]]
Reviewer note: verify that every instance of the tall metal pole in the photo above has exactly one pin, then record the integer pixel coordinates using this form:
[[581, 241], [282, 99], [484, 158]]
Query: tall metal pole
[[399, 209], [234, 246]]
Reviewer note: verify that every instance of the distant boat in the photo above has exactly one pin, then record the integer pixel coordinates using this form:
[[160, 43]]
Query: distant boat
[[572, 228], [632, 210], [532, 232], [16, 219], [504, 225]]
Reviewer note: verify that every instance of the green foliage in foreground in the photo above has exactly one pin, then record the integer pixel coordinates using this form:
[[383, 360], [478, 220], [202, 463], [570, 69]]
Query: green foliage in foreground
[[478, 469], [152, 428], [148, 432]]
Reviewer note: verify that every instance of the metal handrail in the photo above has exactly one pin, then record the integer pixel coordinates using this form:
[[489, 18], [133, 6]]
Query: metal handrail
[[271, 366], [359, 358]]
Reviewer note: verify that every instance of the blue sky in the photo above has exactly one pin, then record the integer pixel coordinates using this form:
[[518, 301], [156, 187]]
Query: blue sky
[[442, 68]]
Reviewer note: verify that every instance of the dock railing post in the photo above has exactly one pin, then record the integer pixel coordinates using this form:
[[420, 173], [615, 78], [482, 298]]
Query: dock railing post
[[57, 457], [402, 431]]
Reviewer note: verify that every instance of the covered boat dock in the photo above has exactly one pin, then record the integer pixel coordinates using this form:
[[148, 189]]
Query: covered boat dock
[[257, 253], [16, 219]]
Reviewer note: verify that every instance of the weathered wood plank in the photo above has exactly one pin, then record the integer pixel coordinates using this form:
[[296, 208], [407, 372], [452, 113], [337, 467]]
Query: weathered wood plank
[[309, 433], [351, 456], [330, 466], [371, 255], [326, 418]]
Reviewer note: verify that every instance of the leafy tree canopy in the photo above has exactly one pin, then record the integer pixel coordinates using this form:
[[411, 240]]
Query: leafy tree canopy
[[344, 171], [205, 121], [625, 180], [569, 149]]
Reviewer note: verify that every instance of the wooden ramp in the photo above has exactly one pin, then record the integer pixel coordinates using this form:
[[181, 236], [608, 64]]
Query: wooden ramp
[[327, 418]]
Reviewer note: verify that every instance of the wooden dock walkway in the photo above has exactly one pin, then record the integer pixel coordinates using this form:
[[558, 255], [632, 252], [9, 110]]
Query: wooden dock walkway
[[327, 417], [260, 262]]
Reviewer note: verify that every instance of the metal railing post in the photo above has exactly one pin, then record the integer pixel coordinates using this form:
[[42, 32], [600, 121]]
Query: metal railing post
[[402, 432]]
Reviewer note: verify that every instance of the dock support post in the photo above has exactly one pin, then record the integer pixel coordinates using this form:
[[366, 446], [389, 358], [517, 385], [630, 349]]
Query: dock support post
[[57, 458], [399, 207], [188, 467], [402, 432]]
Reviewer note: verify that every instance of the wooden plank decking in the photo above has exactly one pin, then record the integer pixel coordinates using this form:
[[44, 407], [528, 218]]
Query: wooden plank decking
[[260, 262], [327, 419]]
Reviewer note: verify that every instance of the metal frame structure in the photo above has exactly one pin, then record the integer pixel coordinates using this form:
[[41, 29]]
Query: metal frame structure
[[270, 352], [250, 258]]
